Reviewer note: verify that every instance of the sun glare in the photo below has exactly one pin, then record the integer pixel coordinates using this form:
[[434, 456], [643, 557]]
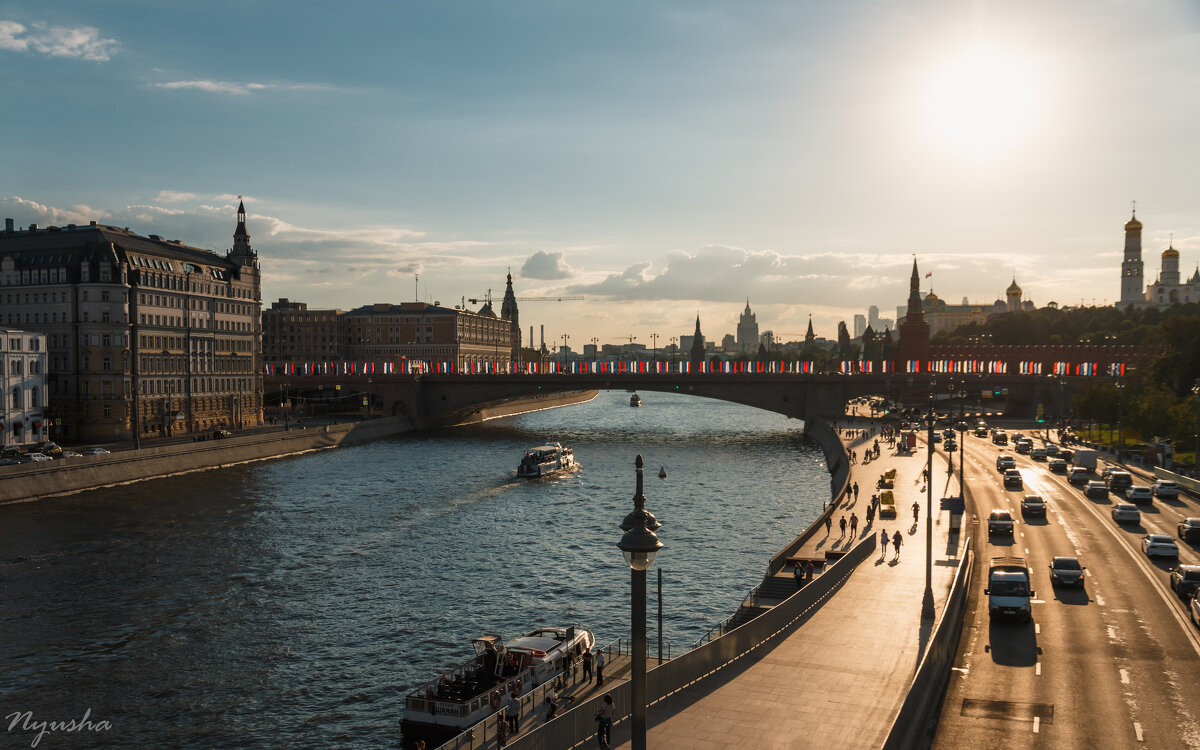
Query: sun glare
[[981, 103]]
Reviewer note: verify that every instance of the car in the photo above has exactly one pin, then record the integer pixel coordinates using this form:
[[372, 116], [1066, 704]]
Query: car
[[981, 432], [34, 458], [1066, 571], [937, 437], [1159, 545], [1000, 522], [1038, 454], [951, 446], [1012, 478], [1058, 466], [1066, 455], [1185, 580], [1139, 493], [1096, 489], [999, 437], [221, 434], [1166, 489], [69, 454], [1023, 447], [47, 447], [1120, 480], [1018, 437], [1051, 449], [96, 452], [948, 434], [1126, 513], [10, 451], [1033, 505], [1194, 609], [1004, 462], [1189, 529], [1079, 476], [9, 461]]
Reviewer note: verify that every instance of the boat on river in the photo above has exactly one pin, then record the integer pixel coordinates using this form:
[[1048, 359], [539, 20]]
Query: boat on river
[[545, 460], [458, 700], [635, 400]]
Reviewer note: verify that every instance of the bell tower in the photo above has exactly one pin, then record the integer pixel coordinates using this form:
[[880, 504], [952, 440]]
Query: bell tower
[[1132, 284]]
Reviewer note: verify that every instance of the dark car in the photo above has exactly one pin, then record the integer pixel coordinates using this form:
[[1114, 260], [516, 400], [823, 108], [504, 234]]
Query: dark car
[[220, 434], [1185, 580], [1189, 529], [1066, 571], [1033, 505], [1120, 480], [10, 451]]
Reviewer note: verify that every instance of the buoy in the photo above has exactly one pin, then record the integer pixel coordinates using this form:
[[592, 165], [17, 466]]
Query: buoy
[[662, 472]]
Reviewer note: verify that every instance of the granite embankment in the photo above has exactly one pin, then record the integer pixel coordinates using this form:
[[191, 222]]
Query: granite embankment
[[26, 482]]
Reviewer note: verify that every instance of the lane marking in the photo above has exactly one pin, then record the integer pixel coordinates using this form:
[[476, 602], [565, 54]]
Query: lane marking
[[1100, 600], [1037, 669], [1026, 549], [1124, 677], [1037, 720], [1112, 633], [1037, 628], [1137, 730]]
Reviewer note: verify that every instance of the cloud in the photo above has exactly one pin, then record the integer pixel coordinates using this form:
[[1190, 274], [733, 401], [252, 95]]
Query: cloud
[[236, 88], [78, 42], [547, 266], [31, 211], [172, 196]]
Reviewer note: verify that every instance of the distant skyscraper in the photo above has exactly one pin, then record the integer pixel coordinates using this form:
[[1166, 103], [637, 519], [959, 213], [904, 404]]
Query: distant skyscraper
[[729, 343], [860, 325], [747, 331]]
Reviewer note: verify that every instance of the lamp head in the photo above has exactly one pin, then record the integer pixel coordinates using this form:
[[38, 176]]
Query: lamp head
[[639, 543]]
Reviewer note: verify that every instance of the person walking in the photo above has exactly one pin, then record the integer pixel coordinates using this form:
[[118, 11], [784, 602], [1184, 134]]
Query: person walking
[[599, 667], [798, 574], [512, 713], [828, 525], [916, 510], [842, 523], [853, 525], [604, 721], [501, 732], [809, 568], [587, 665], [883, 541], [856, 491], [896, 541]]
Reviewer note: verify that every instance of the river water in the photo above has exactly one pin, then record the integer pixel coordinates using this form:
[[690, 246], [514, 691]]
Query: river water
[[295, 602]]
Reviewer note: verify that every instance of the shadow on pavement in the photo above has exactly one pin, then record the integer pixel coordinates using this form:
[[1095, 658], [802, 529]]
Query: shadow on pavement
[[1072, 596], [1013, 644]]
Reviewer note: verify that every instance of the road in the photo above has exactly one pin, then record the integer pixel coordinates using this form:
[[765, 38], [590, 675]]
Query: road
[[1113, 665]]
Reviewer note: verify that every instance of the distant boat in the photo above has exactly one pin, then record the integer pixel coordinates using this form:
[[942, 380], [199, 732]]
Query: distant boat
[[635, 400], [662, 472], [545, 460]]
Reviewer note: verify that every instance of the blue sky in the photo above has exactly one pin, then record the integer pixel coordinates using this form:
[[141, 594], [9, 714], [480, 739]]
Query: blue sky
[[660, 159]]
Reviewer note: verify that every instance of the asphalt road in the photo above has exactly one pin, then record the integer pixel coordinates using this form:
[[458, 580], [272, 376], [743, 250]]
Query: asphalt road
[[1115, 664]]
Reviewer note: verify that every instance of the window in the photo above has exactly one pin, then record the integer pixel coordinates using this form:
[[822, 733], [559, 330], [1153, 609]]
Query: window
[[16, 397], [106, 363], [33, 394]]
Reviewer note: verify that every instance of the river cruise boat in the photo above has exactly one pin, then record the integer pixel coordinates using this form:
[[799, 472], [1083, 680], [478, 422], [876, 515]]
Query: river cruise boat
[[545, 460], [635, 400], [458, 700]]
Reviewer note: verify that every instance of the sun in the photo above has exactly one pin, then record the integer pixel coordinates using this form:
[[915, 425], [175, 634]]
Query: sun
[[982, 102]]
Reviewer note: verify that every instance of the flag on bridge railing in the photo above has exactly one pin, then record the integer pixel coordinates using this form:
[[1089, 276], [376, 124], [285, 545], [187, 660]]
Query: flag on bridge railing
[[913, 365], [1116, 369]]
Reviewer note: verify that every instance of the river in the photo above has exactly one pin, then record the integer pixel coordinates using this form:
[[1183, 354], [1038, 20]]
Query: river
[[294, 602]]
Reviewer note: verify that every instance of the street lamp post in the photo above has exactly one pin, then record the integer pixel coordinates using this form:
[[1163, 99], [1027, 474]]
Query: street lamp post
[[1120, 424], [640, 545], [595, 349], [654, 347], [1196, 457], [927, 610]]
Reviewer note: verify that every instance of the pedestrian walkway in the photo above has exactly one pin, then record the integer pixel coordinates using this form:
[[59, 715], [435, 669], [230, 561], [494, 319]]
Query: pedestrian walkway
[[839, 679]]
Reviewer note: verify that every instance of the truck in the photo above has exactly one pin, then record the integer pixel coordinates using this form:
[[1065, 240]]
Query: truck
[[1008, 590], [1084, 458]]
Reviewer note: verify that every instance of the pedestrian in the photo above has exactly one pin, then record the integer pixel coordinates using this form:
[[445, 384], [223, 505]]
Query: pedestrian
[[853, 525], [809, 568], [501, 732], [828, 525], [842, 523], [604, 721], [870, 513], [916, 510], [599, 667], [896, 540], [798, 574], [856, 491], [587, 665], [883, 541], [512, 713], [551, 703]]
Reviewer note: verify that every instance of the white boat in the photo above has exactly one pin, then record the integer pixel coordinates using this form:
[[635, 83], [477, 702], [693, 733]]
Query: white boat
[[545, 460], [458, 700], [635, 400]]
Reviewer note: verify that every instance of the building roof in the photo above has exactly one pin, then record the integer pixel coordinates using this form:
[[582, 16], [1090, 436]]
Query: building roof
[[1170, 252], [1013, 288], [1133, 223]]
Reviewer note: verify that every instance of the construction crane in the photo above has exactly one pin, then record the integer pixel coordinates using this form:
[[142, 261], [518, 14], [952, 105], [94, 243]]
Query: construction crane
[[488, 298]]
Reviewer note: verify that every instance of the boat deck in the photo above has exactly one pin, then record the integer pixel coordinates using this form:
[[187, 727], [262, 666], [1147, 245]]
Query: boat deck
[[533, 706]]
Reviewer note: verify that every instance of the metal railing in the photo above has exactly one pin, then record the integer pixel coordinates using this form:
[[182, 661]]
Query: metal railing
[[750, 600]]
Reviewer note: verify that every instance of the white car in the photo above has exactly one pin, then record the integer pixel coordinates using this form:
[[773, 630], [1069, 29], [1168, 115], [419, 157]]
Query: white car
[[1159, 545], [1165, 489], [1126, 513], [34, 458], [95, 452], [1096, 489], [1139, 493]]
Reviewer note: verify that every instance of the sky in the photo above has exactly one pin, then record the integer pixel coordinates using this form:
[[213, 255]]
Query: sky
[[660, 160]]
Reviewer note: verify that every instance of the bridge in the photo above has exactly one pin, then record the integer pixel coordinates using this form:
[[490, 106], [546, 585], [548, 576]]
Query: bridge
[[433, 400]]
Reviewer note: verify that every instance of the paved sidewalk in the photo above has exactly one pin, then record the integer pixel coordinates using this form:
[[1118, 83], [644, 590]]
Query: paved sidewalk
[[839, 679]]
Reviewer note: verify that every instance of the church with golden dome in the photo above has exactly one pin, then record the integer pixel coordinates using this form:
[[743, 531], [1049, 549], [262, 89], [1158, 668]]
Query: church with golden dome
[[943, 316], [1168, 289]]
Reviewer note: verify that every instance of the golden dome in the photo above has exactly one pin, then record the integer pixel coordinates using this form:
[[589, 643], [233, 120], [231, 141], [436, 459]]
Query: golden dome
[[1133, 223], [1170, 252], [1013, 288]]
